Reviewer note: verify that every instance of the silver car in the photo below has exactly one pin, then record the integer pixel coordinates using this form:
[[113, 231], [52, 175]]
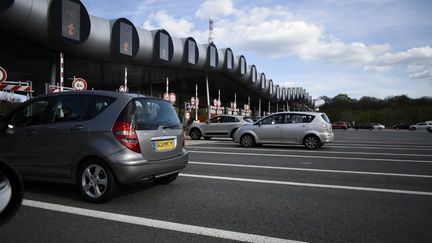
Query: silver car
[[96, 139], [218, 126], [310, 129]]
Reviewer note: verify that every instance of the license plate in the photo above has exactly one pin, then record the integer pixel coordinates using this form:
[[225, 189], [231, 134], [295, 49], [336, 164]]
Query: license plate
[[163, 145]]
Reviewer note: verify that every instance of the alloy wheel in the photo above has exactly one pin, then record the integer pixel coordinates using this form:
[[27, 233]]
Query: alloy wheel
[[94, 181]]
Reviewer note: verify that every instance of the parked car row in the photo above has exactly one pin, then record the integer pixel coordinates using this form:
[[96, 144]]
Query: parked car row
[[307, 128]]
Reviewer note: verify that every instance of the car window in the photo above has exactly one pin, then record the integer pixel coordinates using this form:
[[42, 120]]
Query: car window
[[149, 114], [300, 118], [101, 103], [275, 119], [215, 119], [33, 113], [325, 117], [72, 108], [226, 119]]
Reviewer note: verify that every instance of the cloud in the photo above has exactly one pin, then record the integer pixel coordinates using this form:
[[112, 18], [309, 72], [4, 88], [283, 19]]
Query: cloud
[[177, 27], [426, 74], [378, 69], [215, 8]]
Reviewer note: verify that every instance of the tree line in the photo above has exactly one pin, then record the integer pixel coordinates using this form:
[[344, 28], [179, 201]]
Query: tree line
[[389, 111]]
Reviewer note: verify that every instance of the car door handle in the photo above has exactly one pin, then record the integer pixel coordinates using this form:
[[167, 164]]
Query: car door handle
[[77, 128], [31, 134]]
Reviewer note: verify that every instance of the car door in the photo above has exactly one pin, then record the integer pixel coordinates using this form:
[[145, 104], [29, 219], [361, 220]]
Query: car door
[[228, 123], [62, 141], [21, 135], [295, 127], [213, 127], [268, 129]]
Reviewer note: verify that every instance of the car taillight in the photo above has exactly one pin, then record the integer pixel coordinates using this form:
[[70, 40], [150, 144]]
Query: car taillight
[[125, 134]]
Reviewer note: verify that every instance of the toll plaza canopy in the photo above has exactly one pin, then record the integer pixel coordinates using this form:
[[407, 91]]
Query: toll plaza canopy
[[35, 32]]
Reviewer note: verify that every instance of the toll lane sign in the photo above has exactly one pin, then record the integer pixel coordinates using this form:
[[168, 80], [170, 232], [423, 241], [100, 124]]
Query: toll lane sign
[[79, 84], [3, 75]]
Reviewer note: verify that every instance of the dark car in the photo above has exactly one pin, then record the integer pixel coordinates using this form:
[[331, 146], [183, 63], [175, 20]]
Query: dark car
[[402, 125], [11, 191], [364, 125], [340, 125], [95, 139]]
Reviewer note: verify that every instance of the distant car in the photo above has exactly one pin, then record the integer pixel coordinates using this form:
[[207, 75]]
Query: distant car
[[420, 126], [95, 139], [307, 128], [219, 126], [401, 126], [340, 125], [364, 126], [378, 126]]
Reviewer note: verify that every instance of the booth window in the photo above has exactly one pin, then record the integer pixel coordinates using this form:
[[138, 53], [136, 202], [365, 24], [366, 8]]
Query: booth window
[[71, 20], [242, 66], [254, 74], [212, 56], [229, 57], [164, 46], [125, 39], [191, 52]]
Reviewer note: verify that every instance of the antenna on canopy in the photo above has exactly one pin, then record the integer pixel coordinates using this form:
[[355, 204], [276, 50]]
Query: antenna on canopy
[[211, 26]]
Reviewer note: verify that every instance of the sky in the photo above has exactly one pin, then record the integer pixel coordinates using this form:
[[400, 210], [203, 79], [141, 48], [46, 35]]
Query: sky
[[376, 48]]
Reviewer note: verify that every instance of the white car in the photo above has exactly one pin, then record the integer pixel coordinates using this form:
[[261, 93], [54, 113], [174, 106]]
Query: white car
[[218, 126], [421, 126], [307, 128], [378, 126]]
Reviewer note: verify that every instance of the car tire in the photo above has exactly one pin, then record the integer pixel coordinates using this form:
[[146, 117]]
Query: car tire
[[14, 187], [195, 134], [96, 181], [397, 128], [165, 180], [379, 128], [413, 128], [312, 142], [207, 138], [247, 140]]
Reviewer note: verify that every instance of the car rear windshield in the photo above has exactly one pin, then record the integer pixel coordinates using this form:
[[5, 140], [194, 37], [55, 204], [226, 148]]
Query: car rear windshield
[[150, 114], [325, 117]]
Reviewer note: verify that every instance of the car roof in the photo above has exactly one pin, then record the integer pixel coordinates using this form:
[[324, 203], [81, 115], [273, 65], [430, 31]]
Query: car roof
[[299, 112]]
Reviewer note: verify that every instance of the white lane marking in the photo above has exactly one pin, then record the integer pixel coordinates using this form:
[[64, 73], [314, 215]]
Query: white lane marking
[[350, 143], [289, 183], [313, 157], [309, 151], [376, 147], [312, 170], [185, 228]]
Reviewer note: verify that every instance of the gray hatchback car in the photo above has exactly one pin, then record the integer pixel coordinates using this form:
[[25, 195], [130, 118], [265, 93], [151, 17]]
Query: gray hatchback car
[[96, 139]]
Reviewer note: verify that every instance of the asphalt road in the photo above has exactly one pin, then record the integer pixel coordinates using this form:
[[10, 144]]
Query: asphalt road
[[368, 186]]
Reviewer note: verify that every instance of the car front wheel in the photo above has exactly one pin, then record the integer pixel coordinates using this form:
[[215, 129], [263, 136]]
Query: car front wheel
[[96, 182], [312, 142], [247, 140], [195, 134]]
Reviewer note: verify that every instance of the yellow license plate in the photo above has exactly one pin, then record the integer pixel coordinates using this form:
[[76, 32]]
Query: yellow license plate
[[163, 145]]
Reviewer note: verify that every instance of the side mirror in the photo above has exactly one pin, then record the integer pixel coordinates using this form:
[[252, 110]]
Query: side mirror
[[11, 192]]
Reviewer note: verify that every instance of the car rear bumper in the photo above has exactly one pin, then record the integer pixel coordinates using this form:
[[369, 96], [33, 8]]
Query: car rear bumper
[[142, 170], [326, 137]]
